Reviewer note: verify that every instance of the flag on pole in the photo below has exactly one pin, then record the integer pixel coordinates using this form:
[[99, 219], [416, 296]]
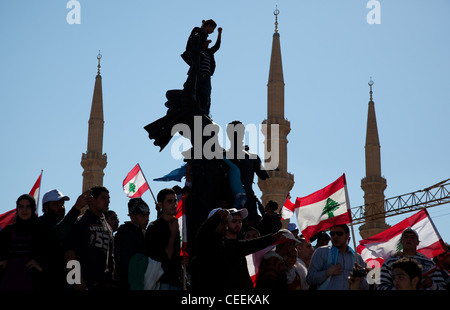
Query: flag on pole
[[181, 216], [383, 245], [135, 185], [8, 217], [36, 190], [324, 208], [288, 208]]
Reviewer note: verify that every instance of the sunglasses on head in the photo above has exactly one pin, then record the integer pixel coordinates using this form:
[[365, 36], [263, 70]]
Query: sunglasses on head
[[338, 233]]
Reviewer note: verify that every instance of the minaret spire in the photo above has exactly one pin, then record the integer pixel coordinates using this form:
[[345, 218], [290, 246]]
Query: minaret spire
[[276, 12], [99, 56], [94, 161], [280, 182], [373, 184], [370, 85]]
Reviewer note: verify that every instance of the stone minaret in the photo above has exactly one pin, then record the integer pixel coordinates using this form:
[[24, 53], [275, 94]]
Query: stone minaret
[[373, 184], [280, 182], [94, 161]]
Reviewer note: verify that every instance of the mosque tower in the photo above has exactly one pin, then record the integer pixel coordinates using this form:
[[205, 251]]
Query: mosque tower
[[373, 184], [280, 182], [94, 161]]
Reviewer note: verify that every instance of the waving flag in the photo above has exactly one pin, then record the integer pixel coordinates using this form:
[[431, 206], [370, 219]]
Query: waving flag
[[324, 208], [288, 208], [36, 190], [383, 245], [181, 216], [8, 217], [135, 184]]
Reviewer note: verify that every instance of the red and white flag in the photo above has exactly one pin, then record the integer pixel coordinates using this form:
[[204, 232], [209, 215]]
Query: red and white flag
[[135, 184], [36, 190], [288, 208], [324, 208], [8, 217], [181, 216], [383, 245], [254, 261]]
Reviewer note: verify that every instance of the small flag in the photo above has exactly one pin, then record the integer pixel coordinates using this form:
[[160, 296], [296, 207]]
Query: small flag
[[8, 217], [383, 245], [135, 184], [288, 208], [323, 209]]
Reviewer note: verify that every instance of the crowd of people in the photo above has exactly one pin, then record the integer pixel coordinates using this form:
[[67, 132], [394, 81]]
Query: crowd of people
[[138, 255], [87, 249]]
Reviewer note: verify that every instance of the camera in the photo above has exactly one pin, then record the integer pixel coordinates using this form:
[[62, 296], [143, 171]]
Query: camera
[[359, 272]]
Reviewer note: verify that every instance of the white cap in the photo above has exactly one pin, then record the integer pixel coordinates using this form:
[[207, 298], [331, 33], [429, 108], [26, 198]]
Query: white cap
[[289, 236], [243, 212], [211, 213], [54, 195]]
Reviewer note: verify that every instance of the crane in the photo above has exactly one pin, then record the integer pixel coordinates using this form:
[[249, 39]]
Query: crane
[[435, 195]]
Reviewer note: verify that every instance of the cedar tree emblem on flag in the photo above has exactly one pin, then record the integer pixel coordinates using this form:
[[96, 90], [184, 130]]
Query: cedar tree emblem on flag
[[330, 207], [135, 184]]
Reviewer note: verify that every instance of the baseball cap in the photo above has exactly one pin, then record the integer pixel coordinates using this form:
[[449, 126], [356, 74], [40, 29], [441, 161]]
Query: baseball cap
[[243, 212], [54, 195], [291, 227], [211, 213], [289, 236]]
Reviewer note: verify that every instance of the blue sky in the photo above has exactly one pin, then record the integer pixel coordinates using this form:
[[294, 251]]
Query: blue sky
[[329, 53]]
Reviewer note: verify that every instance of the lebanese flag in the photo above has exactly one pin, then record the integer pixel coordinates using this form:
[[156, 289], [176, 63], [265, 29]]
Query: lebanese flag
[[36, 190], [288, 208], [135, 184], [383, 245], [254, 261], [181, 216], [8, 217], [323, 209]]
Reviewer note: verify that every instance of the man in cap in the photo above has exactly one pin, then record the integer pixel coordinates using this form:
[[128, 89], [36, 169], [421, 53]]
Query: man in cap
[[59, 224], [130, 239], [224, 256], [54, 210], [234, 222], [409, 241]]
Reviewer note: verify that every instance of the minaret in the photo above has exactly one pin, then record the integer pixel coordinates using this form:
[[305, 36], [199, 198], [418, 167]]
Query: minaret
[[280, 182], [94, 161], [373, 184]]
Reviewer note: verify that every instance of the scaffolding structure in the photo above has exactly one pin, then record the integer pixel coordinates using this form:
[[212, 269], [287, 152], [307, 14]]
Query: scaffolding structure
[[432, 196]]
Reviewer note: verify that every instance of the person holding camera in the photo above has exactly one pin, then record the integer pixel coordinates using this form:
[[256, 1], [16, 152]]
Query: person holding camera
[[331, 266]]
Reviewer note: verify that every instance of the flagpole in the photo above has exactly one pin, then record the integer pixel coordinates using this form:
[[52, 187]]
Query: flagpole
[[147, 183], [351, 220]]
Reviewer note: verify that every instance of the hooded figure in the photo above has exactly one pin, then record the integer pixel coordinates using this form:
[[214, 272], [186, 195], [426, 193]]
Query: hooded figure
[[23, 247]]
